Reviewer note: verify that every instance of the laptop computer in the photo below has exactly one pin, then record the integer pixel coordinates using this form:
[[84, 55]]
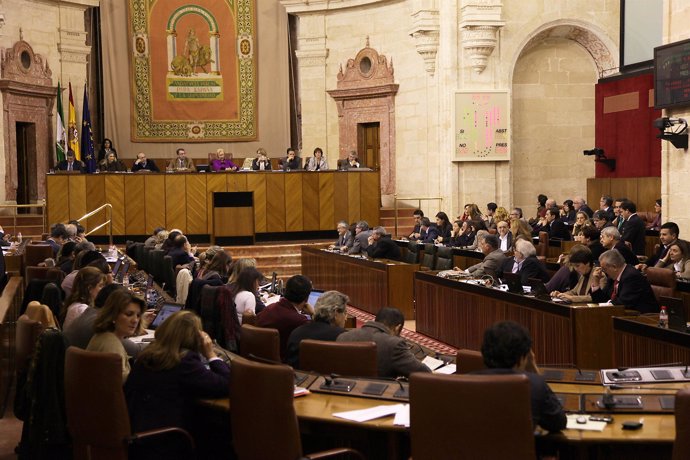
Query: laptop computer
[[116, 267], [514, 282], [676, 313], [314, 296], [164, 313], [124, 269], [539, 289]]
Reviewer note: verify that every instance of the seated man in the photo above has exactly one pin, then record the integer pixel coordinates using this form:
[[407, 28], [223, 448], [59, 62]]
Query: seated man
[[525, 263], [361, 240], [144, 164], [381, 246], [507, 349], [493, 257], [345, 240], [668, 234], [553, 225], [181, 163], [180, 252], [291, 162], [622, 284], [289, 312], [351, 162], [70, 163], [505, 236], [416, 231], [58, 237], [610, 238], [328, 323], [428, 231], [393, 355]]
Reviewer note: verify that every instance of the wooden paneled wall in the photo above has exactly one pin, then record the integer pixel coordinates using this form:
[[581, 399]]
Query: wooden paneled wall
[[640, 190], [283, 202]]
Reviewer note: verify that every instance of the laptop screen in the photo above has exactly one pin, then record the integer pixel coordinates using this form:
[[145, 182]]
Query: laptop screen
[[116, 267], [314, 296], [166, 310], [149, 283]]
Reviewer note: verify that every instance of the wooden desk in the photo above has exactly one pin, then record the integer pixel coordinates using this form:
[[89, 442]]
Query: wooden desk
[[457, 313], [283, 202], [638, 341], [370, 284]]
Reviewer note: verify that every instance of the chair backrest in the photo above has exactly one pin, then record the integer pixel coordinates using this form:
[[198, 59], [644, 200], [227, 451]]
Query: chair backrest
[[143, 262], [543, 246], [52, 297], [444, 258], [155, 264], [412, 255], [169, 275], [264, 404], [26, 335], [247, 164], [212, 156], [457, 428], [662, 280], [97, 415], [37, 253], [210, 315], [344, 358], [681, 446], [468, 361], [262, 342], [429, 256]]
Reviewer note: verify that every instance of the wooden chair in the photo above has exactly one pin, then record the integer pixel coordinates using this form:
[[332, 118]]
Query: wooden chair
[[26, 335], [543, 246], [681, 446], [260, 342], [37, 253], [444, 258], [266, 406], [344, 358], [450, 416], [468, 361], [662, 280], [97, 415]]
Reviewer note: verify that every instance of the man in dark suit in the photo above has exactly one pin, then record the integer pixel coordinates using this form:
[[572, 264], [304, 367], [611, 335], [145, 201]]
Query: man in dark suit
[[611, 239], [291, 162], [606, 206], [361, 240], [428, 231], [505, 237], [525, 263], [381, 246], [553, 226], [507, 349], [393, 355], [618, 220], [70, 163], [622, 284], [668, 234], [579, 204], [633, 228], [344, 242], [416, 231], [144, 164]]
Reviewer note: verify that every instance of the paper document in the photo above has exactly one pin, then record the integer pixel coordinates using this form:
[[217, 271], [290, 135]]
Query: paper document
[[371, 413], [588, 426], [432, 363], [449, 369], [402, 416], [300, 391]]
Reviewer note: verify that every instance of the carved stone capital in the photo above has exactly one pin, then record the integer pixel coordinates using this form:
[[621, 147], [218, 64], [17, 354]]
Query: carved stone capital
[[72, 46], [425, 32], [312, 57], [480, 23]]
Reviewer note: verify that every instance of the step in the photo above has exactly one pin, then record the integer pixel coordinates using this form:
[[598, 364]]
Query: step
[[22, 219], [390, 212]]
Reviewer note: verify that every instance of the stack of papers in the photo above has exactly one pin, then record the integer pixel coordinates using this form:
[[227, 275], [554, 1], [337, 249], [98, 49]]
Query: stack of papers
[[438, 366], [400, 411], [587, 426]]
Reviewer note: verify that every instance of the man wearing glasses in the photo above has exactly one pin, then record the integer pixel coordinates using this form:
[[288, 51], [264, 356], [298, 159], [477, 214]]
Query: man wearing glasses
[[622, 284]]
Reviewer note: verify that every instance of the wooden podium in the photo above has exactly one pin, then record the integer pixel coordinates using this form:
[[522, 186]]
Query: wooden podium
[[233, 218]]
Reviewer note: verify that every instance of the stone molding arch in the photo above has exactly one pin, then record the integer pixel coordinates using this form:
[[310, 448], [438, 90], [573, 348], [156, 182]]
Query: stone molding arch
[[599, 46]]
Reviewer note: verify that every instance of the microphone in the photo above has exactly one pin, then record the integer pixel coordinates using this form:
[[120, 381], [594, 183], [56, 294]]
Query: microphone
[[678, 363]]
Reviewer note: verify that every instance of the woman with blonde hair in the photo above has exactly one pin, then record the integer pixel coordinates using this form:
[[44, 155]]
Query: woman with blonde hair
[[581, 221], [223, 162], [87, 284], [501, 214], [471, 213], [169, 376], [118, 319], [237, 267], [520, 229]]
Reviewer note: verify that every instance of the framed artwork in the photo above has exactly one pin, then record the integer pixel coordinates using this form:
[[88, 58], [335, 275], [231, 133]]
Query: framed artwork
[[481, 125]]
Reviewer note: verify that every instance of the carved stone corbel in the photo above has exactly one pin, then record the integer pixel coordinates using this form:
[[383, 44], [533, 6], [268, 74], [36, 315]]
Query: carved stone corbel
[[480, 23], [425, 32]]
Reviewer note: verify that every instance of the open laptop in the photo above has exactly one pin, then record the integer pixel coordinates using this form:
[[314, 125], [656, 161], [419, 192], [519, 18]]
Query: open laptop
[[514, 282], [538, 289], [116, 267], [164, 313], [124, 269], [314, 296], [676, 313]]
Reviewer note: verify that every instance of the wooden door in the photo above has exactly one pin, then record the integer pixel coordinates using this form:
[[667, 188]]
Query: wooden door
[[368, 145]]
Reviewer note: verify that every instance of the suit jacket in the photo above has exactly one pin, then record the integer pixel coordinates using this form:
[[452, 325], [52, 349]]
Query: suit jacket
[[684, 269], [660, 254], [618, 222], [149, 166], [115, 166], [312, 164], [384, 248], [634, 292], [283, 316], [491, 265], [587, 210], [509, 237], [582, 282], [627, 254], [360, 242], [316, 330], [256, 167], [633, 232], [76, 166], [393, 355], [187, 165], [292, 165], [557, 229], [597, 249], [430, 235], [547, 411], [530, 268], [345, 240]]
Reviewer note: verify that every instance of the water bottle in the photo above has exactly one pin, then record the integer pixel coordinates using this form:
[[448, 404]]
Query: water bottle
[[19, 237], [125, 280], [663, 318]]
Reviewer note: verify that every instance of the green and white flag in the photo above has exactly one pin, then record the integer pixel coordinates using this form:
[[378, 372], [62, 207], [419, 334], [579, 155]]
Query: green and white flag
[[60, 135]]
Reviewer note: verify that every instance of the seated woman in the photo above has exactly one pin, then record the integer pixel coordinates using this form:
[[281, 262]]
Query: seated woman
[[581, 221], [111, 164], [118, 319], [462, 234], [261, 162], [245, 292], [223, 162], [656, 223], [88, 282], [677, 258], [471, 213], [444, 228], [568, 213], [167, 379], [520, 229], [317, 162], [217, 267], [582, 262]]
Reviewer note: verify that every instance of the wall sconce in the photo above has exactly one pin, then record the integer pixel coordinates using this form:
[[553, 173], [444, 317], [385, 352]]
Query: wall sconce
[[677, 137], [600, 157]]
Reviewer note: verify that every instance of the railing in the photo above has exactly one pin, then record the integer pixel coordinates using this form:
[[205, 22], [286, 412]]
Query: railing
[[419, 200], [41, 204], [109, 222]]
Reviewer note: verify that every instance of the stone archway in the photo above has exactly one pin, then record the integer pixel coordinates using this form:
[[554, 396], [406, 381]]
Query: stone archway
[[28, 98], [366, 94]]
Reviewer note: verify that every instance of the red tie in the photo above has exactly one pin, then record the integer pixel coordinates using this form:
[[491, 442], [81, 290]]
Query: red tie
[[615, 290]]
